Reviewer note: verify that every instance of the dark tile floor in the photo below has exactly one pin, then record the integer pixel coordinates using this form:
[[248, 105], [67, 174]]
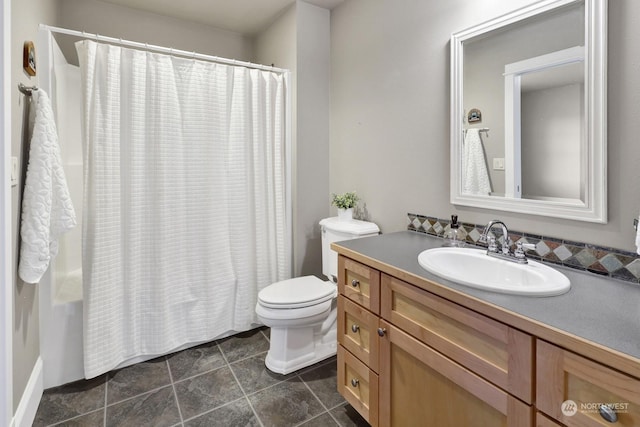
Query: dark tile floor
[[222, 383]]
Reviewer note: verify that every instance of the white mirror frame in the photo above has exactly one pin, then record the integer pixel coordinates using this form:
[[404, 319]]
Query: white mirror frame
[[594, 208]]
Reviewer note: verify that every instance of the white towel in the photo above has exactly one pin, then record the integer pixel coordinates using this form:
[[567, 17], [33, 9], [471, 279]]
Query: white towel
[[475, 174], [47, 211]]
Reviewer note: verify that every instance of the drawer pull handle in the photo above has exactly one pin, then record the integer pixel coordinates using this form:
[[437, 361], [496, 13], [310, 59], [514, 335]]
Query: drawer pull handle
[[355, 283], [355, 382], [355, 328], [608, 414], [382, 331]]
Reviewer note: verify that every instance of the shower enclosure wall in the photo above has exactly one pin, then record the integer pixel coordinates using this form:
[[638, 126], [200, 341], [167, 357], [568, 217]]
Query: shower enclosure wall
[[60, 290]]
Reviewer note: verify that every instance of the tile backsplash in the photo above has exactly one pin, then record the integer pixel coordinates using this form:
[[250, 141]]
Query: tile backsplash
[[614, 263]]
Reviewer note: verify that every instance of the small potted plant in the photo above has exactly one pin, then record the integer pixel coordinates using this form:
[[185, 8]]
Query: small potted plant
[[345, 204]]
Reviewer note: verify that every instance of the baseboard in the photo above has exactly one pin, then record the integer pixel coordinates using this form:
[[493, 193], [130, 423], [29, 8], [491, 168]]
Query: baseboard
[[26, 411]]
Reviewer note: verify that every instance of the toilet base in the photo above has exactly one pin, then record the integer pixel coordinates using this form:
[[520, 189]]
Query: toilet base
[[294, 348]]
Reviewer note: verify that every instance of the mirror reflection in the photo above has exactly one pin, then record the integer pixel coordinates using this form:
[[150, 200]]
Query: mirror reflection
[[532, 106], [551, 138], [487, 60]]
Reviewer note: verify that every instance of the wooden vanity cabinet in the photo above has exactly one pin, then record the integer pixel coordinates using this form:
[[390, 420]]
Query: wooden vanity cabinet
[[359, 283], [358, 349], [407, 357], [358, 385], [563, 375], [493, 350], [543, 421], [421, 386]]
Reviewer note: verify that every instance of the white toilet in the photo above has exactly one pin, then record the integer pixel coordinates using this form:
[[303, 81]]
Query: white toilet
[[302, 312]]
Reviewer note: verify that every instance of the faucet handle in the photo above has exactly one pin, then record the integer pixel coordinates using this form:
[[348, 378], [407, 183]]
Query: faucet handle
[[522, 247]]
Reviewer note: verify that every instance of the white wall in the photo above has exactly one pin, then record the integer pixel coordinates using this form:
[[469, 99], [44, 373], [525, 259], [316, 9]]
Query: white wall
[[390, 114], [26, 15]]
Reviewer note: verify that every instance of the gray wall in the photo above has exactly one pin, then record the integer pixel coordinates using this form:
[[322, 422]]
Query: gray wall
[[299, 41], [390, 114], [26, 15], [112, 20], [311, 180], [552, 159]]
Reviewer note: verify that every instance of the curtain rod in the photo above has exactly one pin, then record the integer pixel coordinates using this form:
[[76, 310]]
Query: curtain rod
[[161, 49]]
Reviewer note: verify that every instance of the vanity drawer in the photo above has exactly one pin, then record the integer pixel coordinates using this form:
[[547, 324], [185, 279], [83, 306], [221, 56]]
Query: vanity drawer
[[359, 283], [357, 332], [563, 375], [495, 351], [358, 385]]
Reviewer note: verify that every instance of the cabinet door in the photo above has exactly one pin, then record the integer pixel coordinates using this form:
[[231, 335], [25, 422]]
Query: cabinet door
[[420, 386], [564, 376], [359, 283], [542, 421], [493, 350], [357, 332]]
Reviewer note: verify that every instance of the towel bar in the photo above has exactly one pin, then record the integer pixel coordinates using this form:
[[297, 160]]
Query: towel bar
[[27, 90]]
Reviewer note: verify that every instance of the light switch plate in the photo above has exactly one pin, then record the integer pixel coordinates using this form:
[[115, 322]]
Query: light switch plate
[[14, 171], [498, 164]]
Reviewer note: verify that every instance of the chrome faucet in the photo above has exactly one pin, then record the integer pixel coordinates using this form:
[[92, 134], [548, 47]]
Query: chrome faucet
[[505, 253], [491, 241]]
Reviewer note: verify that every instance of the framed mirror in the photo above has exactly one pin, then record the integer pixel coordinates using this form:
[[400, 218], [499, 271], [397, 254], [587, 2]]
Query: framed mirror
[[528, 111]]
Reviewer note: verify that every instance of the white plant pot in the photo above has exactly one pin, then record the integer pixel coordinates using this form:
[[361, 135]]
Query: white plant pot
[[345, 214]]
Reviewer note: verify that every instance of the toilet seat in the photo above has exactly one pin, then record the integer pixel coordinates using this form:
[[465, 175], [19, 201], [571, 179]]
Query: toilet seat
[[297, 293]]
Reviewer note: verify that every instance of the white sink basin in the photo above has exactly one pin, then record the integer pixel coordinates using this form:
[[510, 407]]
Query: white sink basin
[[473, 267]]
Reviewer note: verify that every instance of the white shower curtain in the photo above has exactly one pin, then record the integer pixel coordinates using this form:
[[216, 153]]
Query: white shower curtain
[[185, 215]]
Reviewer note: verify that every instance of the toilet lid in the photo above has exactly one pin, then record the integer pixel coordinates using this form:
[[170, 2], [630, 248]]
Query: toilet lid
[[296, 293]]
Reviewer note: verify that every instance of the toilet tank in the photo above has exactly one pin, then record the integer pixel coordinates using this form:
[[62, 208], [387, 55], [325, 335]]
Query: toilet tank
[[336, 230]]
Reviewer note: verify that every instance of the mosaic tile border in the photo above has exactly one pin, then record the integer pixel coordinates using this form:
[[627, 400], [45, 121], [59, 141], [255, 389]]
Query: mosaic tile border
[[603, 261]]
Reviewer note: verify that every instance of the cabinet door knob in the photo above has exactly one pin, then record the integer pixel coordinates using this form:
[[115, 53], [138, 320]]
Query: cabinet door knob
[[355, 283], [608, 413], [382, 331], [355, 328], [355, 382]]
